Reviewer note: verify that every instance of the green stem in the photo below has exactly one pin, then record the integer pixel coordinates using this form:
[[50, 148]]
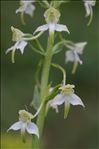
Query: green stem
[[39, 45], [91, 17], [44, 89], [46, 3], [35, 50], [33, 37], [63, 71], [22, 18]]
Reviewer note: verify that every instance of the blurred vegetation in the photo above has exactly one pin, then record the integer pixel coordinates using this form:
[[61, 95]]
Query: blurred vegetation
[[12, 141], [81, 129]]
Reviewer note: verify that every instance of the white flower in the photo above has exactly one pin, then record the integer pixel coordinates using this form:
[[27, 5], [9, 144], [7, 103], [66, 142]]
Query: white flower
[[18, 45], [52, 16], [74, 51], [26, 7], [19, 42], [88, 6], [66, 96], [24, 124]]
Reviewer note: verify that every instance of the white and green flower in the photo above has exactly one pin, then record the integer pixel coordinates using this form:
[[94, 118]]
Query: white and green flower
[[88, 7], [74, 51], [25, 125], [52, 16], [72, 55], [66, 96], [17, 37], [26, 7]]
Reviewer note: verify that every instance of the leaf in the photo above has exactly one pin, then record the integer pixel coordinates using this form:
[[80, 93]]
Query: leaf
[[58, 47], [57, 51], [53, 93], [36, 98]]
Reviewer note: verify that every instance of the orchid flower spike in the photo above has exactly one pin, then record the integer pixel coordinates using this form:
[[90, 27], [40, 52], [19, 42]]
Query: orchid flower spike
[[73, 53], [24, 124], [66, 96], [52, 16], [88, 7], [17, 37]]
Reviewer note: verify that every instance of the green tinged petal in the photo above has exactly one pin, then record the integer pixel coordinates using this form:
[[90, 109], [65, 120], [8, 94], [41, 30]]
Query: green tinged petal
[[66, 109], [23, 129], [13, 56], [74, 67]]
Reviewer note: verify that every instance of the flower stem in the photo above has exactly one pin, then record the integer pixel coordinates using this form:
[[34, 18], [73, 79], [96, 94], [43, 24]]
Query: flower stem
[[44, 88], [35, 50], [62, 70], [33, 37]]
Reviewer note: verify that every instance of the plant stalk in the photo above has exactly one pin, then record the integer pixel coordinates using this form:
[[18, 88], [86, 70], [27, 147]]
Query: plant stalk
[[44, 89]]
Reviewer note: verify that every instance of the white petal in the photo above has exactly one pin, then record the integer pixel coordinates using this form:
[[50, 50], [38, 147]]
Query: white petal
[[10, 49], [29, 10], [80, 47], [60, 28], [27, 2], [70, 56], [56, 108], [77, 58], [58, 100], [20, 9], [88, 9], [21, 45], [32, 129], [53, 106], [52, 26], [42, 28], [51, 89], [16, 126], [75, 100]]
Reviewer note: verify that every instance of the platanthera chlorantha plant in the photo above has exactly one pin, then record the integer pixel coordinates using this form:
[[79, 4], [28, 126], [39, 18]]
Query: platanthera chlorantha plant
[[47, 96]]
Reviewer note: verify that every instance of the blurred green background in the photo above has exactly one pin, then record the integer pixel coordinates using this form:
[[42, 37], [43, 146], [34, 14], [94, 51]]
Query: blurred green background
[[81, 129]]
